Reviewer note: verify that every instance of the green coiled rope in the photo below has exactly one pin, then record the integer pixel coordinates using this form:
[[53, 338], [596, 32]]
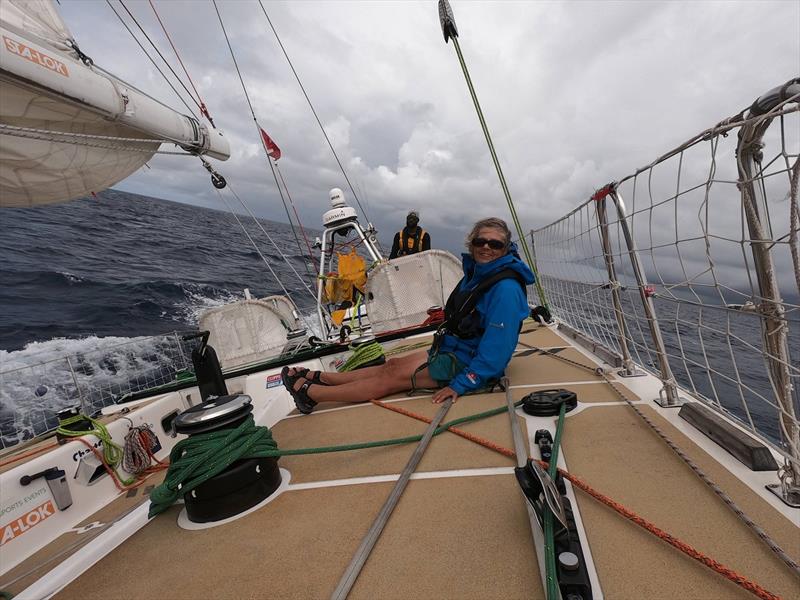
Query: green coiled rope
[[197, 459], [112, 452], [362, 355], [200, 457]]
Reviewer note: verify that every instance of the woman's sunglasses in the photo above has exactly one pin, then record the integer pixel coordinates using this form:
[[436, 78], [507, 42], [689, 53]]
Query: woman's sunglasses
[[479, 242]]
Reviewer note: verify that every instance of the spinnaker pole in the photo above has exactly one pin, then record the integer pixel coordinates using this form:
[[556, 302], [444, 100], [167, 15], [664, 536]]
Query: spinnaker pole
[[449, 30]]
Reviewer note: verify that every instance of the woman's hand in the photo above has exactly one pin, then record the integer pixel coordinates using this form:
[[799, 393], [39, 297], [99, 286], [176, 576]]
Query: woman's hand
[[444, 394]]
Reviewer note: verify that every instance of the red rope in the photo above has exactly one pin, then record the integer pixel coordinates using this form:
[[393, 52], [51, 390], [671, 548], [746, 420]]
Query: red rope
[[690, 551], [296, 216], [203, 108], [434, 317], [27, 454], [142, 477]]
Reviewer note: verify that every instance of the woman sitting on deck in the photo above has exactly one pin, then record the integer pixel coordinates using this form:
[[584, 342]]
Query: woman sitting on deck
[[471, 350]]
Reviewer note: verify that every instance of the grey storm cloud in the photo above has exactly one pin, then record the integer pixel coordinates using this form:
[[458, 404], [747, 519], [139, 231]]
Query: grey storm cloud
[[576, 94]]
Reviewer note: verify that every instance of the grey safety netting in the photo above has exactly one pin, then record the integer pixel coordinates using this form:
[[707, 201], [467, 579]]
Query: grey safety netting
[[93, 376], [725, 340], [247, 331], [400, 292]]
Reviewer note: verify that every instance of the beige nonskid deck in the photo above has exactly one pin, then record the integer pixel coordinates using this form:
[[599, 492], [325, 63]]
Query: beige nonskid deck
[[608, 447], [461, 528], [466, 534], [37, 565]]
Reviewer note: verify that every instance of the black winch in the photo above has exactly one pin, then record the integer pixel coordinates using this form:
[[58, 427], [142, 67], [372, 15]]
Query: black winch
[[245, 482], [547, 403]]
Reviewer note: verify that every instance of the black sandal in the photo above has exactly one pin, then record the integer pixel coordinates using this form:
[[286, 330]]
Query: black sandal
[[300, 373], [302, 401], [317, 378], [289, 380]]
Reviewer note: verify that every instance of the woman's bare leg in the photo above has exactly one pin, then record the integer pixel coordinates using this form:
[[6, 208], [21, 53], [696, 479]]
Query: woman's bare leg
[[392, 377], [335, 379]]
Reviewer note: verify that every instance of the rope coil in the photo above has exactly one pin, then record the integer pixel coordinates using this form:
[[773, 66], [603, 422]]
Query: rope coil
[[362, 355], [136, 456], [200, 457], [138, 453]]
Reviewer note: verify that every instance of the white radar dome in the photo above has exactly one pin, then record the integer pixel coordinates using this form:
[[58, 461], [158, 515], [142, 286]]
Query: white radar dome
[[337, 198]]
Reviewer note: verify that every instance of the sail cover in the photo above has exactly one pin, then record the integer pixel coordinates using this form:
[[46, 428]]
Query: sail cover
[[48, 162]]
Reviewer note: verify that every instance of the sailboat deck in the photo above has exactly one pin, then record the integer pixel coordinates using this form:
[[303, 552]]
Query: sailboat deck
[[461, 528]]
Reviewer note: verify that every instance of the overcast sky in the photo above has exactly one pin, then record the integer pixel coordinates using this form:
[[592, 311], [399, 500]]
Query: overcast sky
[[576, 94]]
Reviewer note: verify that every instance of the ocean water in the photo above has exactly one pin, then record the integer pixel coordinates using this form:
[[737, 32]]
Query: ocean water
[[127, 265], [92, 278]]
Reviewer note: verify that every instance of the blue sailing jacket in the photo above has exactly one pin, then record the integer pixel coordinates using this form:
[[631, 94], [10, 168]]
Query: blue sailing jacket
[[502, 309]]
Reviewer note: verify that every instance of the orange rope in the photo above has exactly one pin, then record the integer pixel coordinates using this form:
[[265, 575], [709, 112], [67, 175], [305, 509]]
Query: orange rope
[[465, 434], [690, 551], [27, 454], [121, 486]]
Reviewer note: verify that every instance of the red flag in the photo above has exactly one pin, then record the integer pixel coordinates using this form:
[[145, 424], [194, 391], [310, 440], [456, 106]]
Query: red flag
[[272, 147]]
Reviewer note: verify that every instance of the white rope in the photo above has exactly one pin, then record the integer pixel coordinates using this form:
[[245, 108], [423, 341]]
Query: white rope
[[794, 222], [138, 444]]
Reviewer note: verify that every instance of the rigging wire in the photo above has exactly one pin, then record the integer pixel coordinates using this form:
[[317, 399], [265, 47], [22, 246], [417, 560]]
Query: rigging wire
[[275, 245], [166, 62], [150, 58], [272, 167], [302, 229], [336, 156], [203, 109], [258, 250], [449, 29]]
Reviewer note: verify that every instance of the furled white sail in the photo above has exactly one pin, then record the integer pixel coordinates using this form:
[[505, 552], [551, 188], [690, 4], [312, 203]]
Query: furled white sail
[[68, 128], [42, 171], [37, 18]]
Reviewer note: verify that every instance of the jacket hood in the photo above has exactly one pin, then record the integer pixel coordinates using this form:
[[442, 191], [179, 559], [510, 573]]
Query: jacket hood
[[476, 272]]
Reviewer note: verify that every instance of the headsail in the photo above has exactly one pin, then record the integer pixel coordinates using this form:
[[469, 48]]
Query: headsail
[[68, 128], [37, 18]]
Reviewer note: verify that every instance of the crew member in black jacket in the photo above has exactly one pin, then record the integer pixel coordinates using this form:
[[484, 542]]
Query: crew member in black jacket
[[411, 239]]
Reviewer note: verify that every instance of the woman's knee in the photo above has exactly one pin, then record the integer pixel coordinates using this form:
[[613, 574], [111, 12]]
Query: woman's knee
[[391, 368]]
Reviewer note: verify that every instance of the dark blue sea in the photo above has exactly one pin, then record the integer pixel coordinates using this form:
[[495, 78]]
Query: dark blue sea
[[92, 278], [126, 265]]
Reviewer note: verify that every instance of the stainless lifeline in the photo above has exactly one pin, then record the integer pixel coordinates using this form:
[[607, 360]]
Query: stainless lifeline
[[686, 227]]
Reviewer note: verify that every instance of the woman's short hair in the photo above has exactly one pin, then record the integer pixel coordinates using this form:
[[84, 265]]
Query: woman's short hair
[[490, 223]]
